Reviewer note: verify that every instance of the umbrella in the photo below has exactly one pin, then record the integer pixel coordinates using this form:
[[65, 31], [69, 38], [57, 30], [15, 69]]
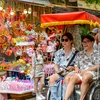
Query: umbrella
[[69, 18]]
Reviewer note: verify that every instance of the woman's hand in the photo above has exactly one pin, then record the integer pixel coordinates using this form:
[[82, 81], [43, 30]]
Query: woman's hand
[[70, 68], [60, 72], [77, 70]]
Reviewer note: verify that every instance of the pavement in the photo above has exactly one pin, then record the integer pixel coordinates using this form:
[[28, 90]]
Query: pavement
[[44, 94]]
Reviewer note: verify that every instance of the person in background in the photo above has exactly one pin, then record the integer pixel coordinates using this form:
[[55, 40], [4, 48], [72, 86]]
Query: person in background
[[95, 35], [86, 65], [38, 72], [61, 60]]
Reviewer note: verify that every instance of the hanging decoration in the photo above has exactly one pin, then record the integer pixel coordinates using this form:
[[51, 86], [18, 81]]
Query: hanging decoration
[[9, 52], [3, 39], [25, 11], [1, 18], [29, 10], [22, 17], [8, 11], [2, 2]]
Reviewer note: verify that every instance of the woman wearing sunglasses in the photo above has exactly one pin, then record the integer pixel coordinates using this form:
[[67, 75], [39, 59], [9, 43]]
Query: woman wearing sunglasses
[[61, 60]]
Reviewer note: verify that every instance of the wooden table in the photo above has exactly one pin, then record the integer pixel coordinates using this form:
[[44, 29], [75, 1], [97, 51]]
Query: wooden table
[[21, 96]]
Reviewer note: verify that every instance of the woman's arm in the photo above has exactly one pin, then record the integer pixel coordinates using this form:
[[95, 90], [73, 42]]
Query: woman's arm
[[94, 68], [56, 68], [89, 69], [77, 70]]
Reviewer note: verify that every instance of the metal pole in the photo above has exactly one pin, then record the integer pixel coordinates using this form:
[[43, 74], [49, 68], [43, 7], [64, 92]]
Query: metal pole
[[98, 53]]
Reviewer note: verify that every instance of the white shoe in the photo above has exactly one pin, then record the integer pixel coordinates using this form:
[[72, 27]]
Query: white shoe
[[41, 96], [38, 97]]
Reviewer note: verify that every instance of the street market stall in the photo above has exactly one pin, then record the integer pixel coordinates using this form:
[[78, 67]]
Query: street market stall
[[15, 40], [18, 35]]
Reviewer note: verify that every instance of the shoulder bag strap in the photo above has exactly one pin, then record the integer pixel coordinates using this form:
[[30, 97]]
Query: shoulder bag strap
[[72, 58]]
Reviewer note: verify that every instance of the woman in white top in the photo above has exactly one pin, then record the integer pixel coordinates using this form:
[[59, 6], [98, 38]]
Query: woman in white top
[[38, 72]]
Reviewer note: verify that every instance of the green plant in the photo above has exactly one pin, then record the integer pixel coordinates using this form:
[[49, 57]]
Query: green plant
[[93, 1], [85, 31]]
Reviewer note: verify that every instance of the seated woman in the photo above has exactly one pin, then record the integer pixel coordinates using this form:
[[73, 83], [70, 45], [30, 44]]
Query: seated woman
[[61, 60], [86, 65]]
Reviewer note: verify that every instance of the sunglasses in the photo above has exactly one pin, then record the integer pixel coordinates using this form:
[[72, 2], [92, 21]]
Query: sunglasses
[[94, 34], [66, 40], [86, 41]]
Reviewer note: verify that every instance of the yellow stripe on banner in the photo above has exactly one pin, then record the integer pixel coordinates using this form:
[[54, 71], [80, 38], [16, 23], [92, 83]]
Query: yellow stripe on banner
[[96, 24]]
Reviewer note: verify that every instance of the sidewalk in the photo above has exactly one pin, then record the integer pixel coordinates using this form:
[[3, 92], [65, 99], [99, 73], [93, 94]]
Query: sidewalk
[[44, 93]]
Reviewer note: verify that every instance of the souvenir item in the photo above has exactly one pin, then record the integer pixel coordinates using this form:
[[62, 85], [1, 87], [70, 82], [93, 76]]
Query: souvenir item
[[9, 52]]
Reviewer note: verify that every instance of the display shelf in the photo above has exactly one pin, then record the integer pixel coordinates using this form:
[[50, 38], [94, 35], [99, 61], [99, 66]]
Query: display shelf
[[14, 92], [24, 43], [16, 69]]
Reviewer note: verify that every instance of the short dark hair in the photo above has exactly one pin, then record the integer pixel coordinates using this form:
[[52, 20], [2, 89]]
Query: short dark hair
[[88, 36], [68, 35]]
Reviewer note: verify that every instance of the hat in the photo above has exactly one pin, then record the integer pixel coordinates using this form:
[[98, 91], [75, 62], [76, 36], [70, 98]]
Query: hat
[[95, 30]]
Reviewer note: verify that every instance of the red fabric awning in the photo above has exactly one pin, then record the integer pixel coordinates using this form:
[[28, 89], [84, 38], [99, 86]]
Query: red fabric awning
[[69, 18]]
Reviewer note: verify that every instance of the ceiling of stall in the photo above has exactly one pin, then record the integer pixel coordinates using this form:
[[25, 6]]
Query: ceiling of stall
[[36, 1]]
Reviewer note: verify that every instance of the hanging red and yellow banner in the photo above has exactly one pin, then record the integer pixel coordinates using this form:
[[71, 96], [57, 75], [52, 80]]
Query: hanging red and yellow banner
[[69, 18]]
